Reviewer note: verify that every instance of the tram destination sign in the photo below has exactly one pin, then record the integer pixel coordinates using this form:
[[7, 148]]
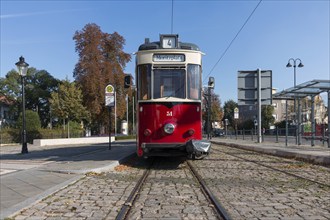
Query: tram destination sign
[[168, 58]]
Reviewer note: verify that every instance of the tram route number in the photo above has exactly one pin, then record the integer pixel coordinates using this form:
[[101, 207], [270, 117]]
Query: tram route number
[[169, 113]]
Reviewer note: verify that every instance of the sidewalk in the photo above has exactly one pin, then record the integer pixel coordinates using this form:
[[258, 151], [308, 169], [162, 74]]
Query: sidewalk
[[27, 178], [316, 154]]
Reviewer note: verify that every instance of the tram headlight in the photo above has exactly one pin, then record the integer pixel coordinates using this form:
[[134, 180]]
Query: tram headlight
[[169, 128]]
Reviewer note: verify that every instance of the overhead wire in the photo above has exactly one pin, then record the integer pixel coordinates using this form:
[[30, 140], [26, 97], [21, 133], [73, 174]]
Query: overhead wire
[[232, 41], [172, 17]]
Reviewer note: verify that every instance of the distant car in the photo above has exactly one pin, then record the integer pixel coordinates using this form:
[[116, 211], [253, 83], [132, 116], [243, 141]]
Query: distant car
[[217, 132]]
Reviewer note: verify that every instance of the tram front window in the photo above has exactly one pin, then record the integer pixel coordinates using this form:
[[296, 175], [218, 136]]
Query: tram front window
[[144, 79], [169, 83], [194, 81]]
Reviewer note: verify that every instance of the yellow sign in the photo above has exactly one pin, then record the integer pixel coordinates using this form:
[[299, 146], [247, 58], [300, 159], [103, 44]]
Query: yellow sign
[[109, 89]]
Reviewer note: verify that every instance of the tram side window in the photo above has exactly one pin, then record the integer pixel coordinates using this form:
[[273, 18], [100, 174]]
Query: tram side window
[[194, 81], [144, 82], [169, 83]]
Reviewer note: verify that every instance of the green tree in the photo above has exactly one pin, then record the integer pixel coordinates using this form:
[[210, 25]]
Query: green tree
[[267, 118], [39, 85], [101, 62], [66, 103], [228, 109]]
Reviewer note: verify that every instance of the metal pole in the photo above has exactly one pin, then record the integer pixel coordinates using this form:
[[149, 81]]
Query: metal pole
[[109, 128], [259, 106], [299, 122], [294, 104], [68, 129], [133, 106], [286, 123], [328, 119], [236, 128], [24, 144], [313, 121], [127, 112], [209, 115], [115, 115]]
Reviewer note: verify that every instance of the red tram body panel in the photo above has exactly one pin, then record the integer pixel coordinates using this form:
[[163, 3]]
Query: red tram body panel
[[186, 117]]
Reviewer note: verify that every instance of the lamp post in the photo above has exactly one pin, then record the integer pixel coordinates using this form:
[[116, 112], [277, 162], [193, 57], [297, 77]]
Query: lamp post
[[22, 67], [294, 67], [294, 61]]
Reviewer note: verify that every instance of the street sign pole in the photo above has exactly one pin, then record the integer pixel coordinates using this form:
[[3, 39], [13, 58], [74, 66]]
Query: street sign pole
[[110, 95], [259, 106], [109, 128], [236, 117]]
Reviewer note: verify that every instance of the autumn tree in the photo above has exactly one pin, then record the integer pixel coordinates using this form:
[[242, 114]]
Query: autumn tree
[[216, 110], [101, 62]]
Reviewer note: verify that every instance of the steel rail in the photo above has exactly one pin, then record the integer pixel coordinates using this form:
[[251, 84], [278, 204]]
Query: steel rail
[[221, 212], [272, 168], [125, 209]]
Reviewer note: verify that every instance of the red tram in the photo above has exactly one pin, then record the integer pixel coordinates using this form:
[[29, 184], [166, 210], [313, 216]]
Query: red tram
[[169, 94]]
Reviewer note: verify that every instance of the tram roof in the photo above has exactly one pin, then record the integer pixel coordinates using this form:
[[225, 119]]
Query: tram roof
[[156, 45]]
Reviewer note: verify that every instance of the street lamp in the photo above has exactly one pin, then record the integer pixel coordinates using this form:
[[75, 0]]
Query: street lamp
[[294, 67], [22, 67], [294, 84]]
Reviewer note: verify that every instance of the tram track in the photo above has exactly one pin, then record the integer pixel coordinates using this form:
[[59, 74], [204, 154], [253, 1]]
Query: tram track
[[221, 212], [218, 211], [273, 168], [131, 198]]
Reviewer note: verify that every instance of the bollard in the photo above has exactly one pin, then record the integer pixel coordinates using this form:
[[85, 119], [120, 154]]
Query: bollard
[[276, 135]]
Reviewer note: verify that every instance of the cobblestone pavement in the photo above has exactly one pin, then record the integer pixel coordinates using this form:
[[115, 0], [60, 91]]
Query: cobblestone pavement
[[171, 192], [250, 191], [247, 190]]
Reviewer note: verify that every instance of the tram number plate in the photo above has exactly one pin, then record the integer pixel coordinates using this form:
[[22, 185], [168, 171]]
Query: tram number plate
[[168, 57], [169, 113]]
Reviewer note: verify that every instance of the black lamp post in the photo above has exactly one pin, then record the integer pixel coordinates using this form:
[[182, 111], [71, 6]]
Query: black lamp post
[[22, 70], [294, 61]]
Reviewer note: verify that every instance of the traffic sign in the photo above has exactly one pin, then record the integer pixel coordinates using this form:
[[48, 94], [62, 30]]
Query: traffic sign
[[236, 113], [109, 96]]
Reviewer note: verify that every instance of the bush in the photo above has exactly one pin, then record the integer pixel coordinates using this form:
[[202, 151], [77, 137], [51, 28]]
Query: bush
[[7, 135], [33, 125], [75, 130], [125, 137]]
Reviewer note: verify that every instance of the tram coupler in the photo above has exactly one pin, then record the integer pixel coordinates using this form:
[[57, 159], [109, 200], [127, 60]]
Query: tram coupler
[[198, 148]]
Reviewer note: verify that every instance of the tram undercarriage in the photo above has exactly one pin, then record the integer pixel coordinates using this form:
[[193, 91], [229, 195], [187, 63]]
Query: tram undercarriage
[[194, 149]]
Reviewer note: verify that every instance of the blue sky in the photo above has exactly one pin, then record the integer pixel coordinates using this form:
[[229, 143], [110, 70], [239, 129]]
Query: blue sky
[[42, 32]]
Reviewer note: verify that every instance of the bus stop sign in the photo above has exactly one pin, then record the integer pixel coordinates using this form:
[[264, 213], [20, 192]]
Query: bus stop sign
[[109, 96]]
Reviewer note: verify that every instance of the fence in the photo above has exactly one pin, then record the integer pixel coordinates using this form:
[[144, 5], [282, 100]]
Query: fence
[[279, 136]]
